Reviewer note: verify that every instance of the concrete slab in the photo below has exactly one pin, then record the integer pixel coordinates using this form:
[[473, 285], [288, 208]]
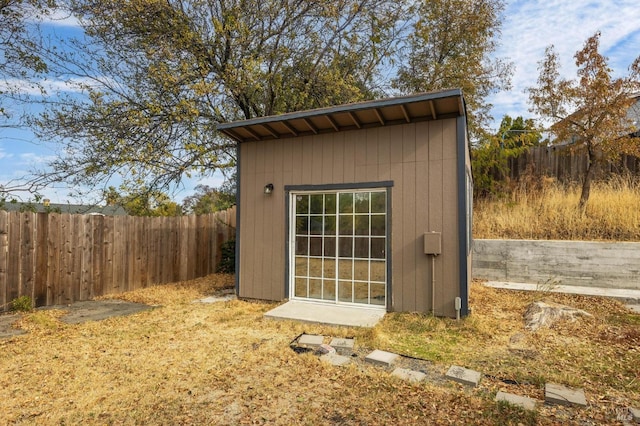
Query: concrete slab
[[343, 346], [325, 313], [635, 414], [310, 341], [335, 359], [464, 375], [634, 308], [6, 326], [521, 401], [628, 296], [409, 375], [383, 358], [562, 395]]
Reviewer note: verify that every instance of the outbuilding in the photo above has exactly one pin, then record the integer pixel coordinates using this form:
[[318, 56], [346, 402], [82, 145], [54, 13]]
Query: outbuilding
[[366, 205]]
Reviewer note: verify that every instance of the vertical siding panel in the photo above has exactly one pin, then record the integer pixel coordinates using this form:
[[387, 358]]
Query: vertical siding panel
[[53, 263], [409, 236], [287, 162], [371, 166], [397, 199], [4, 257], [359, 140], [247, 212], [316, 160], [327, 159], [451, 279], [384, 153], [435, 209], [28, 254], [297, 160], [269, 203], [338, 157], [349, 160], [307, 160], [276, 224], [41, 255], [423, 262]]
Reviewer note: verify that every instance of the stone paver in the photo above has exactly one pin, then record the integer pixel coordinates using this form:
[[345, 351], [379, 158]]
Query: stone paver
[[324, 349], [310, 341], [562, 395], [335, 359], [381, 358], [343, 346], [409, 375], [464, 375], [521, 401], [635, 414]]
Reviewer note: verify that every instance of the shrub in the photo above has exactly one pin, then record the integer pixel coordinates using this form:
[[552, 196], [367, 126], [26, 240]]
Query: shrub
[[227, 263], [22, 304]]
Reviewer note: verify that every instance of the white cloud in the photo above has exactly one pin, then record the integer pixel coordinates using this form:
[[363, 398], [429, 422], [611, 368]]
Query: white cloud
[[35, 88], [529, 26]]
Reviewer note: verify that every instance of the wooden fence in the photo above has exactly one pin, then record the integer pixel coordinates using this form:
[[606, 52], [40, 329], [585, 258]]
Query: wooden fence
[[565, 164], [61, 258]]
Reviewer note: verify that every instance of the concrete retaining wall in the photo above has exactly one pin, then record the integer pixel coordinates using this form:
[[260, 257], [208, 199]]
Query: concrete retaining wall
[[580, 263]]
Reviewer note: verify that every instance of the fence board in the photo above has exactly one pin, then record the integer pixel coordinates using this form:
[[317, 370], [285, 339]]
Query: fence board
[[4, 257], [60, 258], [566, 164], [53, 259]]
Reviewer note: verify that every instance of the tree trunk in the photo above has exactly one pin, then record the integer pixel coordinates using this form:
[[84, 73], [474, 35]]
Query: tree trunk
[[588, 178]]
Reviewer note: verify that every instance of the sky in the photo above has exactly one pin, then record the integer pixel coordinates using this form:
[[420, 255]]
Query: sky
[[529, 26]]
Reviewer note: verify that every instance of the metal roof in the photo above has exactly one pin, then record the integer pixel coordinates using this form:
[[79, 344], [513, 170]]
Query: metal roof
[[385, 112]]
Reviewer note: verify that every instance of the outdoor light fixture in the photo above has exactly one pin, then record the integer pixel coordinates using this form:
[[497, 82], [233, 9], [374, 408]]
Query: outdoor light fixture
[[268, 188]]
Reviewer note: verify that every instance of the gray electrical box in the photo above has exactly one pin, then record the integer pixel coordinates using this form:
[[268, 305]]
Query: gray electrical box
[[432, 243]]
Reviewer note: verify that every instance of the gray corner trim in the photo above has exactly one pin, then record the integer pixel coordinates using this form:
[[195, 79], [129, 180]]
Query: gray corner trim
[[287, 248], [238, 207], [461, 173], [339, 186], [389, 252]]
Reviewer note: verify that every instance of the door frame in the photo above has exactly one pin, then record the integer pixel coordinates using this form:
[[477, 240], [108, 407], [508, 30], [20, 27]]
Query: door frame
[[289, 250]]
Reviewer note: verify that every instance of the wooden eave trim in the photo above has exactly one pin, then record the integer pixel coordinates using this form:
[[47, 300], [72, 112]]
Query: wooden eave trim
[[355, 120], [379, 115]]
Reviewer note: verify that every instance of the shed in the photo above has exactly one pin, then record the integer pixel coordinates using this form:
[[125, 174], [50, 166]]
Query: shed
[[366, 204]]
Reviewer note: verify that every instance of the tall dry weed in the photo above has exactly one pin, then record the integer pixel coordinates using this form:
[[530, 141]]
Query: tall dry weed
[[546, 209]]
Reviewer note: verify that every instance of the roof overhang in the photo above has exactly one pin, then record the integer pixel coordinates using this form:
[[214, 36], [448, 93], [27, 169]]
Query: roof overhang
[[363, 115]]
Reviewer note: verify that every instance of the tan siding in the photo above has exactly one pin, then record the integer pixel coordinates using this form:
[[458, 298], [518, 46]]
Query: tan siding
[[397, 229], [384, 152], [338, 157], [349, 164], [435, 215], [371, 166], [327, 159], [418, 158], [360, 152]]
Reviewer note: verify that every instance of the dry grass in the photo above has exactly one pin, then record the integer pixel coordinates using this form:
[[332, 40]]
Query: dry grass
[[550, 212], [186, 363]]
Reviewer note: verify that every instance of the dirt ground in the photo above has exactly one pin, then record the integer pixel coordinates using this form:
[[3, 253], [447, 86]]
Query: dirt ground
[[180, 362]]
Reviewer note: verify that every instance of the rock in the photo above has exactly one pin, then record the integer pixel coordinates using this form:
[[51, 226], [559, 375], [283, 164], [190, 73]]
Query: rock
[[545, 314]]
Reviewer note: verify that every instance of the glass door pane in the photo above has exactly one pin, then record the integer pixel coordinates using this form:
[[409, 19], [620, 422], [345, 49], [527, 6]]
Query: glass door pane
[[340, 241]]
